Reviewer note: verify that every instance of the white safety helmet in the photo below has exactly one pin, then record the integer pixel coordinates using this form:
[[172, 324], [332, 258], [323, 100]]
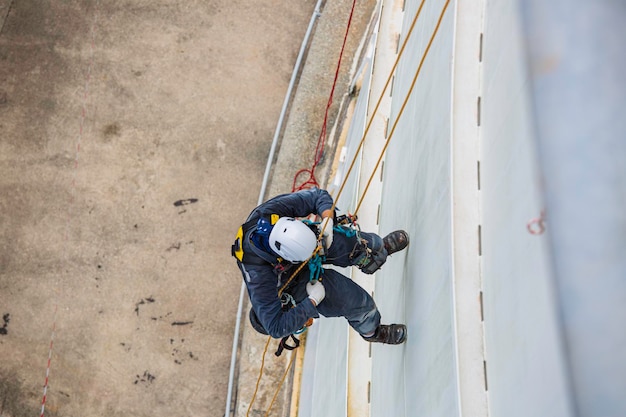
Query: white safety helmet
[[292, 240]]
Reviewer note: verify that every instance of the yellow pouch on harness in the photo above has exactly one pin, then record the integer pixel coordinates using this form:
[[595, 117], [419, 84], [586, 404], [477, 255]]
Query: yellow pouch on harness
[[238, 245], [237, 248]]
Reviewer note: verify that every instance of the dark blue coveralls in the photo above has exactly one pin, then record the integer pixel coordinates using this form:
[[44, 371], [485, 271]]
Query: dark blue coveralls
[[264, 278]]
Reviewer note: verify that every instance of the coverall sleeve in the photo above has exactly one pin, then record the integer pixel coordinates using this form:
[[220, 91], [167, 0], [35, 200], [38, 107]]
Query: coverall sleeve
[[263, 292], [299, 204]]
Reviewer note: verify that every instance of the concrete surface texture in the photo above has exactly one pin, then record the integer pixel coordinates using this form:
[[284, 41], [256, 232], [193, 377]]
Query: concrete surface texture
[[133, 138]]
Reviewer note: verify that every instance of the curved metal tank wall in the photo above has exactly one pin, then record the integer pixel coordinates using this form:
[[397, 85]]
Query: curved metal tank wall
[[519, 333]]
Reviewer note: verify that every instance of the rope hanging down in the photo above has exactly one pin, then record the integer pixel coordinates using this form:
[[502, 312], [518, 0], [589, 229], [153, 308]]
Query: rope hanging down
[[380, 99], [312, 180], [269, 338], [321, 141], [404, 103]]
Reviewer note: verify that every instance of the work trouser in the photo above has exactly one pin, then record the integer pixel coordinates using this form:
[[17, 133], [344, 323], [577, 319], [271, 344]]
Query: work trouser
[[345, 298]]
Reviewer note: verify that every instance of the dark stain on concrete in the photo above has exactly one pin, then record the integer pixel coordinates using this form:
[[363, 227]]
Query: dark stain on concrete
[[147, 378], [5, 318], [148, 300], [185, 202], [181, 323], [112, 129]]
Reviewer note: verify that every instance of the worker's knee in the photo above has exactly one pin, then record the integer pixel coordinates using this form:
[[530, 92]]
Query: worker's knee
[[366, 321]]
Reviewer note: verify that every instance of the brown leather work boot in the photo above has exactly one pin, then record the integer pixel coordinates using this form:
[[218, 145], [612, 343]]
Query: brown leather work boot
[[396, 241]]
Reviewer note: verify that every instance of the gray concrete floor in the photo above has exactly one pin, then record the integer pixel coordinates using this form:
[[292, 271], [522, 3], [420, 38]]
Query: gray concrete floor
[[133, 139]]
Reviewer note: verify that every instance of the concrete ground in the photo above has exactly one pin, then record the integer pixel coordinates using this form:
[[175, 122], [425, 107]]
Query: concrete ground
[[133, 139]]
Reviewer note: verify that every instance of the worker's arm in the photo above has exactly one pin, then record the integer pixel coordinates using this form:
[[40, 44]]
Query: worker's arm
[[261, 284], [300, 204]]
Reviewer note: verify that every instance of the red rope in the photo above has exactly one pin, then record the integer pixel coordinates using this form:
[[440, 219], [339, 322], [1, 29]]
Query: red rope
[[311, 181]]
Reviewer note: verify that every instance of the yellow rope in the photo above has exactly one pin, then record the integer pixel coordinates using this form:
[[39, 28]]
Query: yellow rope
[[302, 265], [348, 173], [380, 99], [408, 95], [258, 380], [280, 384]]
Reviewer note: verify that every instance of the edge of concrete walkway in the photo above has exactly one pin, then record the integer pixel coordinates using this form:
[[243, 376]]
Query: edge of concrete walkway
[[297, 147]]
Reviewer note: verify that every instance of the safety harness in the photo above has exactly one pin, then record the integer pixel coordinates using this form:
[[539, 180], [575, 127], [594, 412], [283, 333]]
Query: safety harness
[[257, 256], [367, 260]]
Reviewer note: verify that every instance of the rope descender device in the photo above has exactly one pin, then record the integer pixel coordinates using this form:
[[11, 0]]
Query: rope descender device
[[282, 345]]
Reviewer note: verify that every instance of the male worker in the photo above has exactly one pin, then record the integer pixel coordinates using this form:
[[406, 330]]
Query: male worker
[[273, 243]]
